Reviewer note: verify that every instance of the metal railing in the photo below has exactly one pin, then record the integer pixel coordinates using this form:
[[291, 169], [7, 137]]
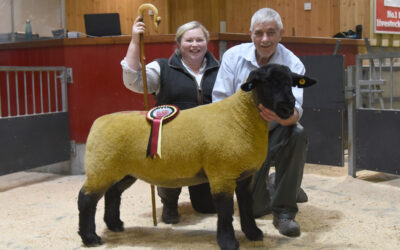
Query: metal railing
[[32, 90], [373, 84], [376, 86]]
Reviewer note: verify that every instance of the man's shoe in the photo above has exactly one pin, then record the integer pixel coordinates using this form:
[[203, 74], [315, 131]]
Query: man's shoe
[[288, 227], [170, 215], [301, 196]]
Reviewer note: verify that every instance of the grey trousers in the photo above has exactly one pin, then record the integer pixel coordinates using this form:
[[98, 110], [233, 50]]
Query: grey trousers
[[287, 151]]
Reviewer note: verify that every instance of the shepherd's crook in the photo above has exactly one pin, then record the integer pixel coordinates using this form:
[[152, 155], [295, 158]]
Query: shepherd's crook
[[153, 12]]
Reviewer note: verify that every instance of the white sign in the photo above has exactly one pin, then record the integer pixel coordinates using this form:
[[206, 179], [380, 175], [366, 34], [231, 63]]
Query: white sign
[[392, 3]]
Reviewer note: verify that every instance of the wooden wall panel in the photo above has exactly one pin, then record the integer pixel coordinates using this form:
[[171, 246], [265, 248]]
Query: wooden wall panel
[[207, 12], [354, 12], [325, 19], [321, 21], [238, 15], [287, 10], [180, 13], [75, 9]]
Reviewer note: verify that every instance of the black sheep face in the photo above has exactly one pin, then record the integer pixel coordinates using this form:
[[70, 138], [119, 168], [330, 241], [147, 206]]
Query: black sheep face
[[272, 84]]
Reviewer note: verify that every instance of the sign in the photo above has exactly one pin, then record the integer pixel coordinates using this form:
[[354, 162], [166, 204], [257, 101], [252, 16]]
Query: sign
[[387, 16]]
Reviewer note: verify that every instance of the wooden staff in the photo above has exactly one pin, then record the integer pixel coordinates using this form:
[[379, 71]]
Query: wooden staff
[[153, 12]]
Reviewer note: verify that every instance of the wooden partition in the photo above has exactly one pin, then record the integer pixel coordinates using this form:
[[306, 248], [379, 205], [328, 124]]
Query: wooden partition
[[354, 12], [325, 19], [321, 21], [208, 12], [127, 9]]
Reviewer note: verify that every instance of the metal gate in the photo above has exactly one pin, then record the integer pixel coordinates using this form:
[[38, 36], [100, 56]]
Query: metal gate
[[324, 106], [374, 113], [34, 123]]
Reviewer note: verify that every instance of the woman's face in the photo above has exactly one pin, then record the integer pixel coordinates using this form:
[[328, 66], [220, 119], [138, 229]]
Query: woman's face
[[193, 46]]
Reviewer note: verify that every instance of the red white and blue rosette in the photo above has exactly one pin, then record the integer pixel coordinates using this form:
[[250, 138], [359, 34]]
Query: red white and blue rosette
[[157, 116]]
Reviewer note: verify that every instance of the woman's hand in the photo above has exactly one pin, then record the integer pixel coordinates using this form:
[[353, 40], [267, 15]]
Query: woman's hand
[[138, 28], [133, 54]]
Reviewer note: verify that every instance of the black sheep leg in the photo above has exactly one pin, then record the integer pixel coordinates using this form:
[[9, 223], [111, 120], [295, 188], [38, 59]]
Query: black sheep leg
[[87, 204], [245, 202], [112, 202], [225, 233]]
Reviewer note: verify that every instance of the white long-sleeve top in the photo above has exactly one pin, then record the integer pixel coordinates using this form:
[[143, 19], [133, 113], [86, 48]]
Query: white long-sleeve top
[[133, 79]]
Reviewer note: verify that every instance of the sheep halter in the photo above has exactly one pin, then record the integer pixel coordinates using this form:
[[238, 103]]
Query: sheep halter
[[156, 116]]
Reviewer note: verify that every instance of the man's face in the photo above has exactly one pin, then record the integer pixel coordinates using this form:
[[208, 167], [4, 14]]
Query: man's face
[[265, 37]]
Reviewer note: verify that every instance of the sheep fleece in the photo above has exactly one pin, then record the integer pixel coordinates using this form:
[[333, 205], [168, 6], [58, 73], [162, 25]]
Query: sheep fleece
[[217, 142]]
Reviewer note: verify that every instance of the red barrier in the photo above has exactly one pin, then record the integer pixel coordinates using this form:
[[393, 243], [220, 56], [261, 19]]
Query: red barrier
[[97, 87]]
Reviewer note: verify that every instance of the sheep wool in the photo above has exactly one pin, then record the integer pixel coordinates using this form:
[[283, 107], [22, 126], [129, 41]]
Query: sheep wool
[[219, 141]]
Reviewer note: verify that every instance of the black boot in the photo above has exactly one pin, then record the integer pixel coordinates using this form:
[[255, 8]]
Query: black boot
[[170, 214], [302, 196], [201, 198], [169, 198]]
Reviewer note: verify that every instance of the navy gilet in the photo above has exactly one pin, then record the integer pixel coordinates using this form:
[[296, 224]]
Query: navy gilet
[[178, 87]]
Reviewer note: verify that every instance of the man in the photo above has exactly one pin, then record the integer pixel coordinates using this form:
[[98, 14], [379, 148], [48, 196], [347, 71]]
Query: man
[[287, 139]]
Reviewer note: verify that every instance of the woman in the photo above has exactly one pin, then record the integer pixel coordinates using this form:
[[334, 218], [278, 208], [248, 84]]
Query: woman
[[186, 80]]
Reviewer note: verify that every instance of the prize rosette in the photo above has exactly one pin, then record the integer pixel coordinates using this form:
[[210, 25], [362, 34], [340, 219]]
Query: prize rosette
[[157, 116]]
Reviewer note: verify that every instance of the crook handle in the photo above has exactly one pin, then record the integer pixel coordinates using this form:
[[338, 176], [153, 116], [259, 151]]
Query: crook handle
[[154, 15]]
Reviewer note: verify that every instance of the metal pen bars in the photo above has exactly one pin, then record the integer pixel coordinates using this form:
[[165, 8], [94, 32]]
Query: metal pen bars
[[377, 79], [32, 90]]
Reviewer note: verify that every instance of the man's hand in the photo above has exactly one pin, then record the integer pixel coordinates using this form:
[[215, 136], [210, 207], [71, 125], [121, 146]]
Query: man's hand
[[269, 115]]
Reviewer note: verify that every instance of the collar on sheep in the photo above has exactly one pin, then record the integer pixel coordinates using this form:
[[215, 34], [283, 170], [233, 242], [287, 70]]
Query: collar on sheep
[[156, 116]]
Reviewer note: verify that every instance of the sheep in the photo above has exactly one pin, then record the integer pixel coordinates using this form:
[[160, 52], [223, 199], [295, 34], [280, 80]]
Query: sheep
[[223, 143]]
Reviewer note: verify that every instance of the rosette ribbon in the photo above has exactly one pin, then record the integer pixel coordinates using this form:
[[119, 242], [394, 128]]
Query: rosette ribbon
[[157, 116]]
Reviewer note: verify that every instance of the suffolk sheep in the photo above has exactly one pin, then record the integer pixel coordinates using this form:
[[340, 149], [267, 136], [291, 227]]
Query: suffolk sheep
[[223, 143]]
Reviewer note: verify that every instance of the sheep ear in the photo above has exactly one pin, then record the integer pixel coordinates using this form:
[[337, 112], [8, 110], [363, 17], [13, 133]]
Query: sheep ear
[[249, 83], [302, 81], [247, 86]]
